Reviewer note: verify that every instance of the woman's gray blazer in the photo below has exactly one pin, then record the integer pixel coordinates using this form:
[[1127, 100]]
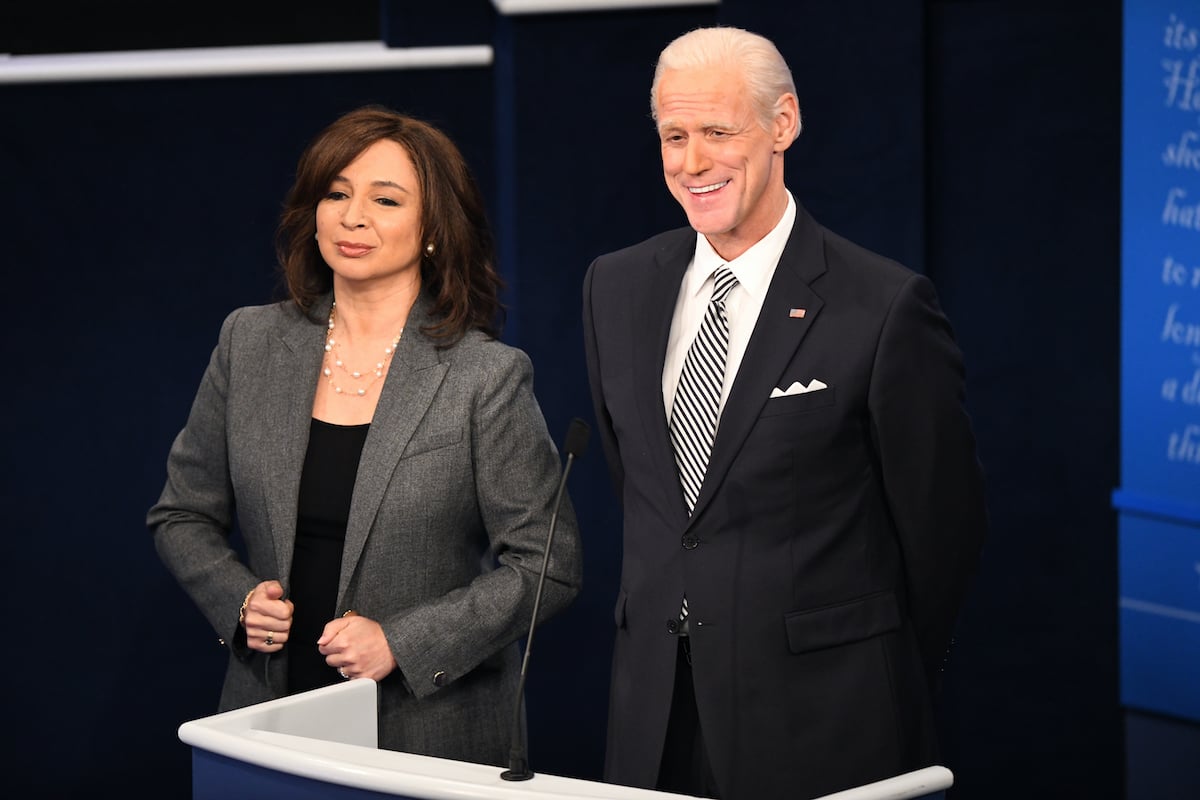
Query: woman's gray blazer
[[447, 526]]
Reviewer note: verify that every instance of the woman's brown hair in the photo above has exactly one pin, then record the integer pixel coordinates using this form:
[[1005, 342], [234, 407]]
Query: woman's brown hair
[[460, 275]]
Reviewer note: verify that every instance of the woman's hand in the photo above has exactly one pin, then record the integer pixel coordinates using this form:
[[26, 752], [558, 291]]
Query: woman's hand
[[268, 618], [356, 647]]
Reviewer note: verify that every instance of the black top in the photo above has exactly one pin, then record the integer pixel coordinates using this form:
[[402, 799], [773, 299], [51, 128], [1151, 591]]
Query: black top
[[326, 485]]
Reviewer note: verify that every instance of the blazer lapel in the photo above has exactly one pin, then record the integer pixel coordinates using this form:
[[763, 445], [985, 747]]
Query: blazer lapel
[[654, 308], [412, 381], [292, 380], [776, 336]]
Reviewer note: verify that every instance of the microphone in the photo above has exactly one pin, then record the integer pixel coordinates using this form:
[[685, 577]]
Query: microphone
[[518, 763]]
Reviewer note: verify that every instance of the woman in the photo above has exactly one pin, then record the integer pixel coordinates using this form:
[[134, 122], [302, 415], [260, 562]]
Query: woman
[[388, 466]]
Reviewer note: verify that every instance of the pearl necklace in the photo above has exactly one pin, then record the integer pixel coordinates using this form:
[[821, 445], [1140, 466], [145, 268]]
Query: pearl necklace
[[333, 350]]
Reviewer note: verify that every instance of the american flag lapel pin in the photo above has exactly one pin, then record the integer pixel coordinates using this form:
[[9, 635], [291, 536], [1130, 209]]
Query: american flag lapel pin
[[796, 313]]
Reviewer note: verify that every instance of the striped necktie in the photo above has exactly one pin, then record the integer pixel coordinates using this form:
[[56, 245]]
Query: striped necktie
[[698, 398], [694, 412]]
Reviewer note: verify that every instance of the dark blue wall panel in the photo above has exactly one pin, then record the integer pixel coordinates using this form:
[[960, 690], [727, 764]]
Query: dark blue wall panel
[[1023, 184]]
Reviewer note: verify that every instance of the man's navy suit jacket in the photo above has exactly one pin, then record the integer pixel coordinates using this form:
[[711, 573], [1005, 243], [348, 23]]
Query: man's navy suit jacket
[[834, 536]]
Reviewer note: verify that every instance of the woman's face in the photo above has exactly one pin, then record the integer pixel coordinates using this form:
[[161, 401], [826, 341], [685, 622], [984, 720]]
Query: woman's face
[[369, 222]]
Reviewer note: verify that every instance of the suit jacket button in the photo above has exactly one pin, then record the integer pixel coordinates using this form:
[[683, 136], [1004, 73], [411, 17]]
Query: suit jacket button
[[672, 626], [439, 679], [690, 542]]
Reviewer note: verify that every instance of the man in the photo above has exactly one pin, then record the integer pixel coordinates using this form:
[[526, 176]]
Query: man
[[788, 592]]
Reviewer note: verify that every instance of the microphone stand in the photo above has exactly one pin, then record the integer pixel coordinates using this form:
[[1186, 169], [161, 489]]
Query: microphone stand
[[518, 762]]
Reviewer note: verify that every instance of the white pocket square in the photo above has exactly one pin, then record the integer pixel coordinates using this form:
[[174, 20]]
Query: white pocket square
[[814, 385]]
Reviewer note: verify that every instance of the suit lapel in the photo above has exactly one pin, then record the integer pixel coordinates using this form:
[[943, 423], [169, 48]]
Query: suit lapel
[[412, 381], [772, 346], [654, 308], [292, 377]]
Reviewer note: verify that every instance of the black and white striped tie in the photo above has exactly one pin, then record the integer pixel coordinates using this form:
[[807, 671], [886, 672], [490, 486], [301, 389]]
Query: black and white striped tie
[[697, 399]]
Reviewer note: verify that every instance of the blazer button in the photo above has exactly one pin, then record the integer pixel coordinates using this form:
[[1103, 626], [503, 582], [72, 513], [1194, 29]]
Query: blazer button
[[439, 679], [672, 626], [690, 542]]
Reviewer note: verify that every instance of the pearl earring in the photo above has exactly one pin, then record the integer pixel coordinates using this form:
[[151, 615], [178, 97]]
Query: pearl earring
[[429, 249]]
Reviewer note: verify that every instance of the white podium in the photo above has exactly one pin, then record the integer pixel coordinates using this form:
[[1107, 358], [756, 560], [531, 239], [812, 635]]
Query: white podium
[[321, 745]]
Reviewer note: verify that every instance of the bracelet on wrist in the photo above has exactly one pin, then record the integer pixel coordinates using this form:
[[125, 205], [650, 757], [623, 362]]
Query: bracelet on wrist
[[242, 610]]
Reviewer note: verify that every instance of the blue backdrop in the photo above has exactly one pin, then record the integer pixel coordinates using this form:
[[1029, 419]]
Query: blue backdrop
[[1159, 497]]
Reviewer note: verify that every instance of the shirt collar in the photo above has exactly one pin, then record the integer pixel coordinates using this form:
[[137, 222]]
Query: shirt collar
[[753, 268]]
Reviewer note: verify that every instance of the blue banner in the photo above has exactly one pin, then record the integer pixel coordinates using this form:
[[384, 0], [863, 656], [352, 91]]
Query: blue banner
[[1159, 499]]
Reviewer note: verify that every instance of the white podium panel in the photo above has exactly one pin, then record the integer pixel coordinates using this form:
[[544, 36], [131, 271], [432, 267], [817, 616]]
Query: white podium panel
[[322, 745]]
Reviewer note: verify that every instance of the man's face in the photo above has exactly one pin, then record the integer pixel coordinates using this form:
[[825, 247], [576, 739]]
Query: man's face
[[719, 163]]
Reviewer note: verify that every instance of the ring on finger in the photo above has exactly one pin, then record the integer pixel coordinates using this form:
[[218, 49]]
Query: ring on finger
[[342, 672], [270, 637]]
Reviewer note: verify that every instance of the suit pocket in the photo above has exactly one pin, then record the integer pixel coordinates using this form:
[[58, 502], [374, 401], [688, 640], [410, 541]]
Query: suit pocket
[[843, 623], [435, 440], [798, 403]]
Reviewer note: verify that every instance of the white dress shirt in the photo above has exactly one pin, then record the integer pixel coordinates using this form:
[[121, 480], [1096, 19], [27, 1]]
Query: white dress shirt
[[753, 270]]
